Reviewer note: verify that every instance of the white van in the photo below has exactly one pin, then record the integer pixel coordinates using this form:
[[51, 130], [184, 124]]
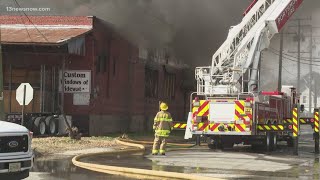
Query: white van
[[16, 155]]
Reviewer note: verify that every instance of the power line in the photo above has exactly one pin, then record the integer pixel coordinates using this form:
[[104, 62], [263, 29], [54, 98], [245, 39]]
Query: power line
[[295, 60], [288, 71], [305, 59], [24, 24], [33, 46]]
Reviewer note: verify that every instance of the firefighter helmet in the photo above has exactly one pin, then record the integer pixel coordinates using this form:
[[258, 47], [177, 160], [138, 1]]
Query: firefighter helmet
[[163, 106]]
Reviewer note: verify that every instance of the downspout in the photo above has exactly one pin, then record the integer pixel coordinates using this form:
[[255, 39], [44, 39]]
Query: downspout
[[10, 89], [41, 88]]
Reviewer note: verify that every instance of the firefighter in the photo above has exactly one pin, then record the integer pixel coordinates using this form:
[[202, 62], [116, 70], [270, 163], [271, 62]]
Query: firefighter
[[162, 127]]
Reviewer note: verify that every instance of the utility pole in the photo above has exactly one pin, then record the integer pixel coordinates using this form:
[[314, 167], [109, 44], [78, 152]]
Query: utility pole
[[280, 63], [299, 49], [310, 72], [1, 83], [312, 81], [315, 93], [315, 97], [299, 52]]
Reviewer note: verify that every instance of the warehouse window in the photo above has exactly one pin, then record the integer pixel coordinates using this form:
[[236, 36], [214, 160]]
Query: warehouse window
[[151, 83], [169, 85], [114, 67], [101, 64]]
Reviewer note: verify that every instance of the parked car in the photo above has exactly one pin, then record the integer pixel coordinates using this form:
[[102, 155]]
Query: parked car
[[16, 155]]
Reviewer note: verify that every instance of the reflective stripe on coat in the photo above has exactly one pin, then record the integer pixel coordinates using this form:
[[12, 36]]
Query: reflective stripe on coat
[[163, 124]]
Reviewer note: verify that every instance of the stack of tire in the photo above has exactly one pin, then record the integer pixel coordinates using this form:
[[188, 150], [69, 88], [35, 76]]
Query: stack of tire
[[45, 125]]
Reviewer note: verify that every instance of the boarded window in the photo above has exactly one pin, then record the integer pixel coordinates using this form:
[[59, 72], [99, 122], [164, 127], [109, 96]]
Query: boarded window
[[169, 85], [101, 64], [151, 83], [114, 67]]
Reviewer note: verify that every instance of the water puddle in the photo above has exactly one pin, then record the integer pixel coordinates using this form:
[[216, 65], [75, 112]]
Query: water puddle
[[63, 169], [298, 170]]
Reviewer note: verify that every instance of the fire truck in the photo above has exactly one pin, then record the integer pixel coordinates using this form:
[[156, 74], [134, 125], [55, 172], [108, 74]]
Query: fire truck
[[229, 107]]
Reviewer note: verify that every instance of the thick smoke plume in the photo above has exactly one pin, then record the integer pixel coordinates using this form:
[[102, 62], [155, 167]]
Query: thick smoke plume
[[193, 29]]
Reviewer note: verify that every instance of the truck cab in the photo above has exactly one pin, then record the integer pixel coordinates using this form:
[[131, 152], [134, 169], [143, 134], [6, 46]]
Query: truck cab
[[16, 155]]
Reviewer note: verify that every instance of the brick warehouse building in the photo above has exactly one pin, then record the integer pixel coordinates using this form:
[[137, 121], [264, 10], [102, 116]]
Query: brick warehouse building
[[126, 83]]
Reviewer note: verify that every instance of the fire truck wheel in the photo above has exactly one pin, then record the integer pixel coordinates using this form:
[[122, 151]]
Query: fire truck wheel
[[211, 146], [227, 146], [256, 147], [290, 142], [275, 141], [269, 141], [214, 142]]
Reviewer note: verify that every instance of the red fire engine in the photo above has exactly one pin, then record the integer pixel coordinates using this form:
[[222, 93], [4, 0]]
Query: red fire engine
[[229, 107]]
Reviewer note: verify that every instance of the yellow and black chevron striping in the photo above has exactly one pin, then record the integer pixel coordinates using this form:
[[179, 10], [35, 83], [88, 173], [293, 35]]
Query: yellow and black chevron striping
[[316, 122], [295, 122], [287, 121], [178, 125], [270, 127], [302, 121]]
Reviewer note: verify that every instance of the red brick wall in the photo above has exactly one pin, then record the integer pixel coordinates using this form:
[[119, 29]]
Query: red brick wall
[[75, 62], [112, 96], [120, 93]]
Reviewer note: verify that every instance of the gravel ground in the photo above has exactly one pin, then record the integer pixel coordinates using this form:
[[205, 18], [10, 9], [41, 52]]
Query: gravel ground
[[60, 145], [57, 146]]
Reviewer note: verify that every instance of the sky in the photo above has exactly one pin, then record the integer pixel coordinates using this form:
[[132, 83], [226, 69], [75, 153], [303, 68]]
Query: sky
[[309, 12]]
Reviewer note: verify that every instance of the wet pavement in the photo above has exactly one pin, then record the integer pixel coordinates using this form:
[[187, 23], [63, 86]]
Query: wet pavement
[[63, 169], [239, 162]]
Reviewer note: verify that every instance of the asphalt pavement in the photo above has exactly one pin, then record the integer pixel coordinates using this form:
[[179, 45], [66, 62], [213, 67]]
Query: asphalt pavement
[[240, 162]]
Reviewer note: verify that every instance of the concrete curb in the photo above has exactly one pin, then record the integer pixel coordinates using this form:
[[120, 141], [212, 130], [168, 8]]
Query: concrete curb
[[134, 171]]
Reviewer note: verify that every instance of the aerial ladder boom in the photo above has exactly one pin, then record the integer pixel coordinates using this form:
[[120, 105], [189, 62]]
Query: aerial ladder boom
[[239, 55]]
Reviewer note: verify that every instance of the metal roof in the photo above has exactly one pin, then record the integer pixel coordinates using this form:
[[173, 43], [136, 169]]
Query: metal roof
[[44, 30]]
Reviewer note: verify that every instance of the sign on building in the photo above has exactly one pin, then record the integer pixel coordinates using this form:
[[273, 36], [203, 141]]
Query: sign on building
[[81, 99], [75, 81]]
